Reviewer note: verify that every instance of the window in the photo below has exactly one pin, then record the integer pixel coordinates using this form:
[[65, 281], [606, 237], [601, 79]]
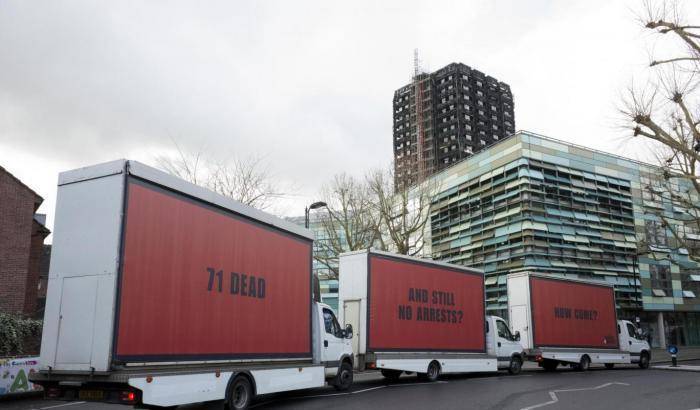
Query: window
[[656, 234], [631, 330], [331, 323], [503, 330], [660, 280]]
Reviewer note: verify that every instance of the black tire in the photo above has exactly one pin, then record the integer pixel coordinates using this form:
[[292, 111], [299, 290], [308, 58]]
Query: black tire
[[343, 380], [240, 394], [644, 360], [550, 365], [433, 371], [584, 364], [391, 375], [515, 366], [609, 366]]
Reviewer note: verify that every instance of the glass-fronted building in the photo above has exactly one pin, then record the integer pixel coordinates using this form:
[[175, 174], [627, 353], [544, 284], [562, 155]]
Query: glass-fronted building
[[328, 280], [532, 203]]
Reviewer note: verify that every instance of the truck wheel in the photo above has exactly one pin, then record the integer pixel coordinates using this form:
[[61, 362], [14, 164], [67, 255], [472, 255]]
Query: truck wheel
[[241, 394], [609, 366], [550, 365], [644, 360], [391, 375], [584, 364], [516, 365], [343, 380], [433, 371]]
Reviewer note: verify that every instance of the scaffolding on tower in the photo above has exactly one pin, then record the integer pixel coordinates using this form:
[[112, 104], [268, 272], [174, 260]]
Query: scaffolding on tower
[[420, 131]]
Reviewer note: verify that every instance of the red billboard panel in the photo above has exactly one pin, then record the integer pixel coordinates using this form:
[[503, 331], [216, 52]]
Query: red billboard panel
[[572, 314], [416, 306], [200, 282]]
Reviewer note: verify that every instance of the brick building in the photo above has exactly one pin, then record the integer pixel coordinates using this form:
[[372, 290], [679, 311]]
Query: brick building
[[22, 234]]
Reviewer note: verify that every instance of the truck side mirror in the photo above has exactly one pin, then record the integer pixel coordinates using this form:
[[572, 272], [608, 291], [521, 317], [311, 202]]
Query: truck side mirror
[[516, 336], [348, 331]]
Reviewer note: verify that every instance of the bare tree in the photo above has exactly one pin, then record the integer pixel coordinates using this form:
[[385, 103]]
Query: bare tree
[[666, 113], [348, 224], [185, 165], [401, 213], [247, 180]]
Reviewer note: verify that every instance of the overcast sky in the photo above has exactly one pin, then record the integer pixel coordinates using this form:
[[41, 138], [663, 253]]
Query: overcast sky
[[307, 84]]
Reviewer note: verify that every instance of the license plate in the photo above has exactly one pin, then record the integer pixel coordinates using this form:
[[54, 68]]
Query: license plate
[[91, 395]]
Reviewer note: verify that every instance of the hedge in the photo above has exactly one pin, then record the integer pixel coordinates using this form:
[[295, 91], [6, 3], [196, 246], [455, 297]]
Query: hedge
[[19, 335]]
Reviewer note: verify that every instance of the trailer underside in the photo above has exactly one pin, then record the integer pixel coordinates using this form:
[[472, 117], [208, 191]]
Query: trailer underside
[[176, 385]]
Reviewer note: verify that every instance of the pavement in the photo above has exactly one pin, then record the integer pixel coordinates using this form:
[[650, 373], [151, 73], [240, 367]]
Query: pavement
[[622, 388], [684, 354], [683, 366]]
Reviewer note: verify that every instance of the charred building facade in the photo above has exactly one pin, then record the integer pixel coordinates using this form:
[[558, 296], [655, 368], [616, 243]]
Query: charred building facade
[[446, 116]]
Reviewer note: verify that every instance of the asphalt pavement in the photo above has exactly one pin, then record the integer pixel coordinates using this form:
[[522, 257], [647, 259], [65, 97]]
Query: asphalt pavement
[[622, 388]]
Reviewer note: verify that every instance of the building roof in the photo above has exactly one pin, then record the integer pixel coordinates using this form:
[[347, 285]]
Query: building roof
[[38, 198], [517, 133]]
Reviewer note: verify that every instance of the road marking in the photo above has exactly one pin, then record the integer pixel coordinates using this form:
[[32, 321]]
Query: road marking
[[62, 405], [555, 399], [496, 377], [415, 384], [364, 390], [316, 396]]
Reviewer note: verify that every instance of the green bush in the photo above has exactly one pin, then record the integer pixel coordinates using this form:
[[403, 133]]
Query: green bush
[[19, 335]]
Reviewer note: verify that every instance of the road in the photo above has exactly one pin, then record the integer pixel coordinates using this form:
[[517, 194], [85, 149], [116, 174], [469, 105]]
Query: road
[[619, 389]]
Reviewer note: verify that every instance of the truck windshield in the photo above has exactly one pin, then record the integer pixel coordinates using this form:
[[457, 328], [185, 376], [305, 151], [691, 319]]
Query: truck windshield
[[330, 322], [503, 330]]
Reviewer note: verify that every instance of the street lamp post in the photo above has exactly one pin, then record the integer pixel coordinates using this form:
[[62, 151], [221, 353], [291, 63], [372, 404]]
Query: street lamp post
[[307, 210], [316, 281], [637, 287]]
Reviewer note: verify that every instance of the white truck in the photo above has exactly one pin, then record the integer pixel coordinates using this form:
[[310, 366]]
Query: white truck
[[572, 322], [163, 293], [420, 316]]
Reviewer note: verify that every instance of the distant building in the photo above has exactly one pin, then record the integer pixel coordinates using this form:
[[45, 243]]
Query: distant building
[[328, 279], [44, 263], [462, 111], [532, 203], [22, 234]]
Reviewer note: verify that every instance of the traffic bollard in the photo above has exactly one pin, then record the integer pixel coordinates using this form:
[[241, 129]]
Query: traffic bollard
[[673, 350]]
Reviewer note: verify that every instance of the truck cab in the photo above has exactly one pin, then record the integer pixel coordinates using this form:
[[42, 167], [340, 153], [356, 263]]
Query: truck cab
[[632, 341], [332, 346], [504, 345]]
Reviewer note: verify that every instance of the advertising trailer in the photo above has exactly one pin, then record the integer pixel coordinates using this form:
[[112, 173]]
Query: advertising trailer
[[165, 293], [571, 322], [415, 315]]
